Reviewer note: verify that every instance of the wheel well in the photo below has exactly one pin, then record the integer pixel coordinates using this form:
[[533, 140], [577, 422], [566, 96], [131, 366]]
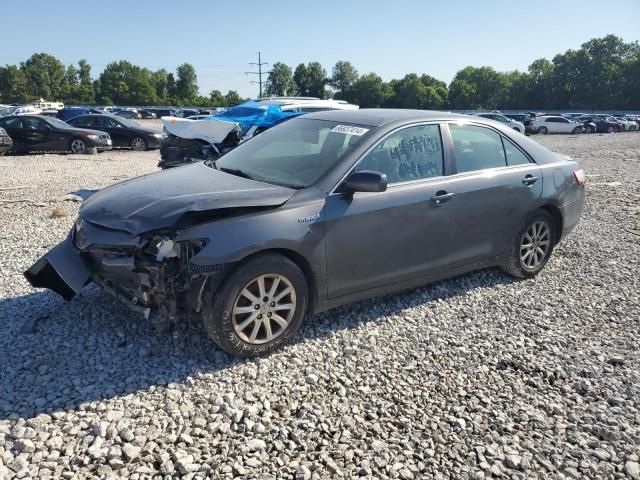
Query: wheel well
[[557, 219]]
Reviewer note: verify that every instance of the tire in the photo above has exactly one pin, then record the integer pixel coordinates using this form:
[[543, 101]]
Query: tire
[[244, 333], [577, 130], [589, 130], [543, 130], [78, 146], [633, 128], [610, 129], [519, 262], [138, 144]]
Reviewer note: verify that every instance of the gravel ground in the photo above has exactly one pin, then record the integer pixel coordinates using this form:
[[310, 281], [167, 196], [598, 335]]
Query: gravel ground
[[475, 377]]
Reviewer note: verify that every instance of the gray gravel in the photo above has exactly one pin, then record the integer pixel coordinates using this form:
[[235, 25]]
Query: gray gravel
[[476, 377]]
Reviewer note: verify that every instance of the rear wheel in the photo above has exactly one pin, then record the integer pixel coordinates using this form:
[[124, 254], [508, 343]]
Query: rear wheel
[[532, 246], [610, 129], [543, 130], [633, 128], [138, 144], [577, 130], [259, 306]]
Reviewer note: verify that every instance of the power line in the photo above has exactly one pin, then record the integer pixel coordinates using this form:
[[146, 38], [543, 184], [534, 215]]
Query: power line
[[259, 72]]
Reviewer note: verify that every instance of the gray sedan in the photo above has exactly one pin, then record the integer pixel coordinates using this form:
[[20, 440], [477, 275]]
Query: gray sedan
[[317, 212]]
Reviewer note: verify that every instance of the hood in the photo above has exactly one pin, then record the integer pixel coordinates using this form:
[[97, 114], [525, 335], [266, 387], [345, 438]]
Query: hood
[[159, 200]]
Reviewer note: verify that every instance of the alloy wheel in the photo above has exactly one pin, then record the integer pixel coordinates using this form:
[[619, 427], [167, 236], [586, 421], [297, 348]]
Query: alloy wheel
[[264, 308], [535, 244], [78, 146], [138, 144]]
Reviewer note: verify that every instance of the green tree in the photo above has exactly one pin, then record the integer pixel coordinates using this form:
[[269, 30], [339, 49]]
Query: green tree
[[127, 84], [423, 92], [186, 83], [216, 99], [13, 85], [232, 98], [343, 77], [280, 81], [317, 79], [301, 79], [370, 91], [45, 76], [161, 84], [477, 88]]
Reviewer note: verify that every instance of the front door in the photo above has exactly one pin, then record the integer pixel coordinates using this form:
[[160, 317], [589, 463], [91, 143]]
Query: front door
[[376, 239]]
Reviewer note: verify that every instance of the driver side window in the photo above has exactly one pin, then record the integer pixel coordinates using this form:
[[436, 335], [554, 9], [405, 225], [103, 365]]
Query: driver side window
[[410, 154]]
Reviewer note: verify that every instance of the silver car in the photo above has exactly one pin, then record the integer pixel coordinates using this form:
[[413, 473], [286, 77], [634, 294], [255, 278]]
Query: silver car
[[509, 122]]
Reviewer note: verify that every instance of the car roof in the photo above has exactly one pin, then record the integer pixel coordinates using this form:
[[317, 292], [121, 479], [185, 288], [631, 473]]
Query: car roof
[[377, 117]]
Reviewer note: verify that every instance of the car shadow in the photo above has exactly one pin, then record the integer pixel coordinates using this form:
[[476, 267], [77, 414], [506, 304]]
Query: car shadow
[[59, 355]]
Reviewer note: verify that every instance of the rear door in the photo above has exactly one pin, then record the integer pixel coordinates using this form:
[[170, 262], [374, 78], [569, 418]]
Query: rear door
[[377, 239], [493, 189]]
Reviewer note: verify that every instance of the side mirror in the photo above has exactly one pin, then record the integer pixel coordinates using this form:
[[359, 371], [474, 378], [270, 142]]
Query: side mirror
[[365, 181]]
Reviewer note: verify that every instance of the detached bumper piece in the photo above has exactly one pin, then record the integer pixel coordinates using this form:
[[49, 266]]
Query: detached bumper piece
[[62, 270]]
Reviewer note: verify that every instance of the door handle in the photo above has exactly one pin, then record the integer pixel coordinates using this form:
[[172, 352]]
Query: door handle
[[442, 196], [529, 180]]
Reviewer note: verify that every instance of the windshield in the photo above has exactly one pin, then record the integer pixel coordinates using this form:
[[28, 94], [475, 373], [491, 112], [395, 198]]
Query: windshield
[[294, 154], [56, 122]]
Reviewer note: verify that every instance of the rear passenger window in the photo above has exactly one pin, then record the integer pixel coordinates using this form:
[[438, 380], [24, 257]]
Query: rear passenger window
[[409, 154], [476, 148], [514, 154]]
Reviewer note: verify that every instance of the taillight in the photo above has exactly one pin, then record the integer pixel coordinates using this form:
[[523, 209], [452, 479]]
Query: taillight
[[578, 176]]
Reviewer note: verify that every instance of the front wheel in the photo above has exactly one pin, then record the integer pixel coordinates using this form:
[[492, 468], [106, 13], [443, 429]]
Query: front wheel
[[79, 147], [258, 307], [543, 130], [610, 129], [138, 144], [532, 246], [577, 130]]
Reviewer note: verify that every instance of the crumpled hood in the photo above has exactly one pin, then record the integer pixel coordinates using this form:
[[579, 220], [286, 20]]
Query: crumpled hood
[[158, 200]]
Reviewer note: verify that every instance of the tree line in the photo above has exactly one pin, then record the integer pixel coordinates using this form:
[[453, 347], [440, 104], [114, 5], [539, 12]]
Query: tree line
[[120, 83], [604, 73]]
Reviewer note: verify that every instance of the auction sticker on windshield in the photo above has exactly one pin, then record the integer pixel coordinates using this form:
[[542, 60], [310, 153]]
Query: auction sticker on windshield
[[349, 130]]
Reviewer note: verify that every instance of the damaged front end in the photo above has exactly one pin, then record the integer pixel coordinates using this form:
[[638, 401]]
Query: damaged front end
[[151, 274]]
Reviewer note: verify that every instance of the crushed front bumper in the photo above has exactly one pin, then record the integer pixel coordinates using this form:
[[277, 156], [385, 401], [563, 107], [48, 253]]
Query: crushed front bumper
[[62, 270]]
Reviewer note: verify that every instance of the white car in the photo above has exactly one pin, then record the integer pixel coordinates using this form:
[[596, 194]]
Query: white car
[[629, 125], [555, 124], [511, 123]]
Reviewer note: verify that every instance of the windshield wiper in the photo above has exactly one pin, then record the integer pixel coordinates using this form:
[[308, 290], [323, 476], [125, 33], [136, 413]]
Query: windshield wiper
[[235, 171]]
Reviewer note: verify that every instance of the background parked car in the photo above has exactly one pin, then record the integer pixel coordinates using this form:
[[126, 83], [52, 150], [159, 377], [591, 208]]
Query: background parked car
[[602, 126], [523, 118], [6, 143], [186, 112], [555, 124], [629, 125], [48, 134], [146, 113], [20, 110], [124, 133], [70, 112], [164, 112], [509, 122], [130, 114]]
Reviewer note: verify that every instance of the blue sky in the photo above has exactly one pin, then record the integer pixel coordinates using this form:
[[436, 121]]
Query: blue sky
[[391, 38]]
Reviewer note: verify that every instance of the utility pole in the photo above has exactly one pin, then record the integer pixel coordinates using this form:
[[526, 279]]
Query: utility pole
[[259, 72]]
